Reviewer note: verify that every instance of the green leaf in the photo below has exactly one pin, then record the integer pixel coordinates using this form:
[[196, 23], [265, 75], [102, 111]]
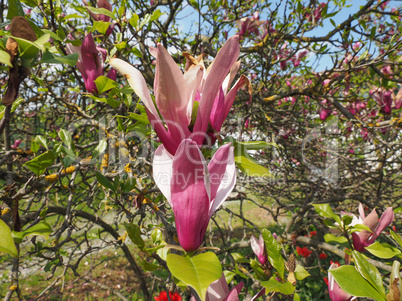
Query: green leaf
[[155, 15], [66, 138], [102, 11], [157, 236], [34, 146], [104, 83], [14, 9], [70, 59], [41, 141], [39, 164], [129, 185], [330, 238], [28, 49], [100, 26], [369, 272], [272, 285], [383, 250], [104, 181], [325, 210], [134, 233], [274, 252], [239, 258], [250, 167], [354, 284], [229, 275], [6, 240], [5, 58], [136, 52], [396, 237], [14, 106], [147, 266], [99, 149], [134, 21], [198, 271], [301, 272], [259, 272], [360, 227], [254, 145], [41, 228]]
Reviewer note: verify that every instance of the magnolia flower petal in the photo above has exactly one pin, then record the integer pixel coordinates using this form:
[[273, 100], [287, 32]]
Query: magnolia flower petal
[[255, 246], [162, 171], [361, 211], [136, 81], [217, 290], [219, 116], [231, 76], [259, 294], [92, 64], [224, 60], [371, 220], [386, 219], [170, 94], [193, 79], [189, 195], [358, 243], [335, 291], [234, 293], [222, 173]]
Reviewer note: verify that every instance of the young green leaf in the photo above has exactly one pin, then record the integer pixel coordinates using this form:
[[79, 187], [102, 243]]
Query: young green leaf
[[41, 228], [6, 240], [39, 164], [104, 181], [198, 271], [134, 233], [354, 284], [383, 250], [369, 272], [273, 285], [274, 252]]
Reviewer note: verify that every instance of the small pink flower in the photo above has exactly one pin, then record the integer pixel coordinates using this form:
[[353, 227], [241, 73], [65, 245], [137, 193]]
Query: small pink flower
[[365, 238], [258, 247], [16, 144]]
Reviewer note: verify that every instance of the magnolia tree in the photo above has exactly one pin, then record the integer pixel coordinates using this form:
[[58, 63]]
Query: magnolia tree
[[178, 132]]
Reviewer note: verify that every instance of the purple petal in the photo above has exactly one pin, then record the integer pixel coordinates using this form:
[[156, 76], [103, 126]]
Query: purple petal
[[92, 65], [170, 91], [217, 290], [259, 294], [189, 195], [386, 219], [234, 293], [224, 60], [371, 220]]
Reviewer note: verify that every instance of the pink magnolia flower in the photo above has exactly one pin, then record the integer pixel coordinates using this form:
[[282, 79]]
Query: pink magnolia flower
[[90, 61], [194, 189], [365, 238], [398, 100], [324, 113], [16, 144], [384, 99], [248, 26], [258, 247], [219, 291], [334, 290], [176, 94]]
